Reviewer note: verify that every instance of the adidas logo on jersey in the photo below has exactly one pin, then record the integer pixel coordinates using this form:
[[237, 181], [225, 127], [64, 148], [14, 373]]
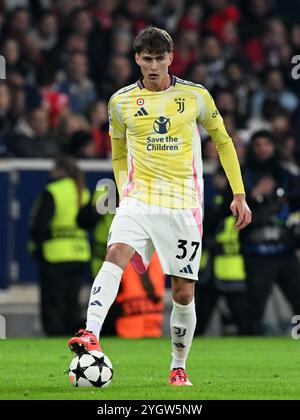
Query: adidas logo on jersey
[[141, 112], [187, 269]]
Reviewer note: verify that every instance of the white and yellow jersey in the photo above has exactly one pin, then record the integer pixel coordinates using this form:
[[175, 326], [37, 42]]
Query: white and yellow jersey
[[157, 133]]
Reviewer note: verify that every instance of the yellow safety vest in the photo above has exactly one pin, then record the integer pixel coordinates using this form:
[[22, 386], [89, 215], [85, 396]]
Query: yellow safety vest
[[68, 242], [228, 262]]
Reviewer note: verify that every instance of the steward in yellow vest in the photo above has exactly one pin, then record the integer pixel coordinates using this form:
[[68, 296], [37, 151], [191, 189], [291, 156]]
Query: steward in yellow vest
[[228, 263], [60, 246], [67, 241]]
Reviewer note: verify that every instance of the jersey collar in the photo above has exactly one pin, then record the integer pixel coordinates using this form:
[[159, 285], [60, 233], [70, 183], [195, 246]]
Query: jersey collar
[[142, 86]]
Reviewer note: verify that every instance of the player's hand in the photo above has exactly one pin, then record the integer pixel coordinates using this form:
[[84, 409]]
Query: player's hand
[[241, 211]]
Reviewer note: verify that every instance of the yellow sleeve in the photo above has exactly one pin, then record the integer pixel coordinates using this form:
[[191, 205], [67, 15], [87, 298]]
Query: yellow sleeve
[[117, 132], [119, 162], [212, 121], [117, 128]]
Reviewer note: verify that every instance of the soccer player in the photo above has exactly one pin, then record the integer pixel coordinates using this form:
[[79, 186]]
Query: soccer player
[[156, 143]]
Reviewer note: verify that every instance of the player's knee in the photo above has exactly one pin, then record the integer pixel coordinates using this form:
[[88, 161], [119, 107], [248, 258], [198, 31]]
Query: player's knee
[[183, 297], [119, 254]]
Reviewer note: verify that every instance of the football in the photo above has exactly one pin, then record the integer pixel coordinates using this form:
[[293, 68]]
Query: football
[[91, 368]]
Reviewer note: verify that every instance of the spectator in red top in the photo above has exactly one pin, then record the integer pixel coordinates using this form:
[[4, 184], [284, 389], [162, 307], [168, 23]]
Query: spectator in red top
[[222, 14], [186, 52], [103, 11], [192, 17], [56, 102], [255, 15]]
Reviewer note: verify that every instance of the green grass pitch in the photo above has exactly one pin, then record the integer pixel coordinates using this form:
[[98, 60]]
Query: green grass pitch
[[220, 368]]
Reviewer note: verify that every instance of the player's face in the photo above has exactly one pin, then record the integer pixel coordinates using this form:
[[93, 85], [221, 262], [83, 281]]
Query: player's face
[[154, 66]]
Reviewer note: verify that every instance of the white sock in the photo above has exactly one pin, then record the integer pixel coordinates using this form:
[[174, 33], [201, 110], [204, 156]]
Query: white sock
[[183, 324], [103, 294], [93, 326]]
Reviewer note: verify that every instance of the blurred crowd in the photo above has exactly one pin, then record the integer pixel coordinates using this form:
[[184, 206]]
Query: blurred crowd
[[66, 58]]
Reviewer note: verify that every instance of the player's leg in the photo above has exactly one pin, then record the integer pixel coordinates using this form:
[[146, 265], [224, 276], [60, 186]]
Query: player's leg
[[106, 285], [177, 240], [127, 238], [103, 294], [182, 324]]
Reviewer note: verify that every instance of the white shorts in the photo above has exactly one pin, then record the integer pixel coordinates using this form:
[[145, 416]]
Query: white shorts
[[175, 234]]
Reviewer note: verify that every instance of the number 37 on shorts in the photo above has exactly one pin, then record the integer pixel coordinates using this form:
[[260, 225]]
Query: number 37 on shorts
[[184, 247], [188, 258]]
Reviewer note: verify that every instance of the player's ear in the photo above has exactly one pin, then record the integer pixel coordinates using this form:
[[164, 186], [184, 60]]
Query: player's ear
[[171, 56], [137, 59]]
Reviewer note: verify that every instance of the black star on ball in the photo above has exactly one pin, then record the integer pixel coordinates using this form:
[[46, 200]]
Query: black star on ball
[[79, 371]]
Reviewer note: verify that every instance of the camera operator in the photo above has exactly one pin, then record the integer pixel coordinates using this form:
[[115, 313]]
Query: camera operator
[[267, 244]]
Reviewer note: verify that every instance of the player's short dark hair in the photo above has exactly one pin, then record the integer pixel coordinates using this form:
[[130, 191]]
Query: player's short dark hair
[[153, 40]]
